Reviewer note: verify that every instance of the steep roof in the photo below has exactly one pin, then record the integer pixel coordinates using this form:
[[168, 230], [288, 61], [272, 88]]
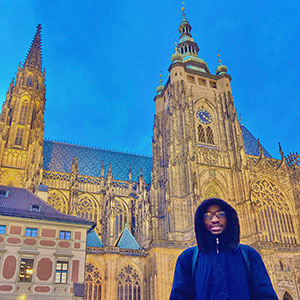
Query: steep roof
[[59, 156], [92, 240], [19, 202], [251, 143], [127, 241]]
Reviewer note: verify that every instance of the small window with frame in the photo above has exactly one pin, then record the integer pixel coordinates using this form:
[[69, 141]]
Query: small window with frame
[[31, 232], [64, 235], [35, 207], [26, 270], [2, 229], [61, 272]]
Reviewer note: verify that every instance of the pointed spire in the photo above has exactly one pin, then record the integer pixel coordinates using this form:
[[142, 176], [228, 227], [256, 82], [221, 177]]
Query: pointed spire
[[34, 57], [109, 172], [280, 151], [130, 174], [102, 169], [260, 148]]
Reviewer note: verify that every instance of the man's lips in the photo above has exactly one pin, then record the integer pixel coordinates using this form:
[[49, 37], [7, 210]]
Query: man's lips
[[216, 227]]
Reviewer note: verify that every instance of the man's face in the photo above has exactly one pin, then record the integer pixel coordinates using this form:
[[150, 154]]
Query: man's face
[[214, 219]]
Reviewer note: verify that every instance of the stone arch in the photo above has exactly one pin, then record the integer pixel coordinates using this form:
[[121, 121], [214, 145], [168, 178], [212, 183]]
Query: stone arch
[[129, 282], [11, 178], [287, 296], [272, 211], [58, 201], [88, 208], [93, 281], [213, 188]]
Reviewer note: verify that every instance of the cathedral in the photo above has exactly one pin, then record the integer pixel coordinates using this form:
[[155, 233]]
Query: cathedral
[[143, 207]]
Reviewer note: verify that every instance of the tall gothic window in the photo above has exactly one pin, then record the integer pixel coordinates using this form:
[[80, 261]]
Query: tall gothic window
[[87, 208], [58, 201], [274, 218], [19, 136], [201, 134], [93, 283], [129, 284], [23, 114], [209, 135], [29, 81], [120, 217]]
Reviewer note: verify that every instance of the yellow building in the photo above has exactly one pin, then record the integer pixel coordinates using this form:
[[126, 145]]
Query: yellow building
[[144, 207]]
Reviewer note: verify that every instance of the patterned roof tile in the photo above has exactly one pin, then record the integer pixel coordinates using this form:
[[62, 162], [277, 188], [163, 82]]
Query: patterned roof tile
[[58, 157], [251, 143]]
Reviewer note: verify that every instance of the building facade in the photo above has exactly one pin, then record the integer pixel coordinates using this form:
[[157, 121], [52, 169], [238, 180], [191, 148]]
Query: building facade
[[42, 251], [144, 206]]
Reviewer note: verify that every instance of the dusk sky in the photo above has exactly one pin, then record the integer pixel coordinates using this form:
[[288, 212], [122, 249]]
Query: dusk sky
[[103, 60]]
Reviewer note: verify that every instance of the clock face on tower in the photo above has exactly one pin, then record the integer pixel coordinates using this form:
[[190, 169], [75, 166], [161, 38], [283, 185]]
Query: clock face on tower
[[204, 116]]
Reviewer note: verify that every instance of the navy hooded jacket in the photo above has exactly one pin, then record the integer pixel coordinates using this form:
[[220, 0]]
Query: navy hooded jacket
[[220, 271]]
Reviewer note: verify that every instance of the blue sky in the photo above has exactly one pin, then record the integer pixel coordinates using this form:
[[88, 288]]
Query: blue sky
[[103, 60]]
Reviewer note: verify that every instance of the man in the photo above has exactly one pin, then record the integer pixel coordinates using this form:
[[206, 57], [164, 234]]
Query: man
[[219, 268]]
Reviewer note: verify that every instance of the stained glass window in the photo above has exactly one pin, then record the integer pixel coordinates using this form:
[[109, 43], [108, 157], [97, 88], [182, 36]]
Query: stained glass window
[[93, 283], [129, 284], [273, 214]]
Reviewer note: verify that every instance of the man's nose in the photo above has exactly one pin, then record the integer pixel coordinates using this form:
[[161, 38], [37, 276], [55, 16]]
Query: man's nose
[[215, 219]]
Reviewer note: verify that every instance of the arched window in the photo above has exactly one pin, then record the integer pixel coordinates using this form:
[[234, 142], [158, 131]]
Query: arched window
[[281, 265], [29, 81], [273, 214], [209, 135], [120, 217], [201, 134], [58, 201], [129, 284], [287, 296], [87, 208], [213, 191], [93, 283], [19, 136], [23, 114]]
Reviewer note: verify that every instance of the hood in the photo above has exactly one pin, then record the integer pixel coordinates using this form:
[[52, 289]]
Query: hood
[[229, 238]]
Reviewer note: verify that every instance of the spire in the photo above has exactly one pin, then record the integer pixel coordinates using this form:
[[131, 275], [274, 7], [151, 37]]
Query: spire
[[34, 57], [187, 46]]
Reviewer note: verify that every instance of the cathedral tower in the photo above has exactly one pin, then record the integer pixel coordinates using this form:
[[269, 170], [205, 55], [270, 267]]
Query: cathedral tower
[[197, 140], [22, 123]]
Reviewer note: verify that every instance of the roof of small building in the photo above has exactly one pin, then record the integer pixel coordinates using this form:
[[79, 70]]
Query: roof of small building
[[19, 202], [93, 240], [78, 289], [127, 241], [58, 157]]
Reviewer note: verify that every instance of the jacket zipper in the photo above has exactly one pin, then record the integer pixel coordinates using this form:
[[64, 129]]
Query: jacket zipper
[[217, 240]]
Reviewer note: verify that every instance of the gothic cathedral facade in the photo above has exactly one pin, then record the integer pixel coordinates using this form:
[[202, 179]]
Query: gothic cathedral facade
[[144, 207]]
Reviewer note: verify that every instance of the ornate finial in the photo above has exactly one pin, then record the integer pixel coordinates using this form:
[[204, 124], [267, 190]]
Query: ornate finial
[[160, 88], [183, 8], [241, 119], [221, 69], [219, 54]]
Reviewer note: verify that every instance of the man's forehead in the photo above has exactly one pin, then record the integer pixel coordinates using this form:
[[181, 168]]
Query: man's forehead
[[213, 208]]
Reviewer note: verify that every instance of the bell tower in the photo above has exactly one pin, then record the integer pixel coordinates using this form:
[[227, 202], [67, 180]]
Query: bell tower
[[22, 123], [197, 141]]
